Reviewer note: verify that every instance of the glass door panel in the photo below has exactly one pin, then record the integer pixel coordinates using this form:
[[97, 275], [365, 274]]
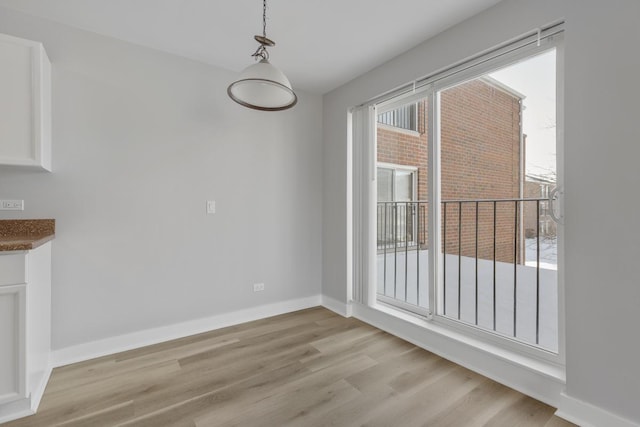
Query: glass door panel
[[402, 256], [498, 169]]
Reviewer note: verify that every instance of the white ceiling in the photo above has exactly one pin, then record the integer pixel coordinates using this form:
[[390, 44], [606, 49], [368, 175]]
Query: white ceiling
[[321, 44]]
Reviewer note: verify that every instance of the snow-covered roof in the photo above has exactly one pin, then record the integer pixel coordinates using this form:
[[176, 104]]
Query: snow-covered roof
[[503, 87], [545, 179]]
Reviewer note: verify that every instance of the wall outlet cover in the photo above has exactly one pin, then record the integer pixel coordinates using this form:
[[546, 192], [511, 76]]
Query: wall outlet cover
[[12, 205]]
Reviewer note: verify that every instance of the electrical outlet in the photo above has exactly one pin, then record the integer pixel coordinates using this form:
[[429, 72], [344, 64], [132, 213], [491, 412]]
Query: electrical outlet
[[12, 205], [258, 287]]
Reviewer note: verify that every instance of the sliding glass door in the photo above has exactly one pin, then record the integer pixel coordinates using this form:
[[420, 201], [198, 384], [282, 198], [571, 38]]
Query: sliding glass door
[[469, 180], [498, 156], [401, 205]]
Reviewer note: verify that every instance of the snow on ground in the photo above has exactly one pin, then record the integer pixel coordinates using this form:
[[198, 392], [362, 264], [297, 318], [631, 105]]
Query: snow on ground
[[548, 252], [409, 274]]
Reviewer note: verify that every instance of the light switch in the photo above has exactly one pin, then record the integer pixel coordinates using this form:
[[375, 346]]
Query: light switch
[[211, 206]]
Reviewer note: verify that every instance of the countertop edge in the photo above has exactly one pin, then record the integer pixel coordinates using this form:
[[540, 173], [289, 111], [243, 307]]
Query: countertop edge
[[22, 245], [25, 234]]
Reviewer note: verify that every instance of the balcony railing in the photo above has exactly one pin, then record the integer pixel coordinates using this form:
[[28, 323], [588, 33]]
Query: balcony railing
[[498, 264]]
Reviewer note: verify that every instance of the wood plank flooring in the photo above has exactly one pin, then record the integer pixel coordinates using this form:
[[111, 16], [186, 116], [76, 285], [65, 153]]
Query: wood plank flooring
[[308, 368]]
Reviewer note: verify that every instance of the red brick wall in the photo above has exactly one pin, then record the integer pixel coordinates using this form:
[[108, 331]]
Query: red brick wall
[[480, 159]]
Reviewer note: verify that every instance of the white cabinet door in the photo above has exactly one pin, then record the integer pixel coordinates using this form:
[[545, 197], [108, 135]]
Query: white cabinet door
[[12, 339], [25, 330], [25, 103]]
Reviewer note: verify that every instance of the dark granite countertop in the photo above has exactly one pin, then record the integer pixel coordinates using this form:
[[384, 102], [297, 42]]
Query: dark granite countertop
[[25, 234]]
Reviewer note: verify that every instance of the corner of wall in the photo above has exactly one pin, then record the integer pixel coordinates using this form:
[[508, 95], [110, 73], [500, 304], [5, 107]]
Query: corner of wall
[[343, 309], [587, 415]]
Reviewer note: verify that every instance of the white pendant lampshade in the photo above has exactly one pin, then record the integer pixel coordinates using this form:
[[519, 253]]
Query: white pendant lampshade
[[262, 86]]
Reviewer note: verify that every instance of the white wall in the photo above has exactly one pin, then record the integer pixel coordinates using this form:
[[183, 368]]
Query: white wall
[[602, 175], [141, 140]]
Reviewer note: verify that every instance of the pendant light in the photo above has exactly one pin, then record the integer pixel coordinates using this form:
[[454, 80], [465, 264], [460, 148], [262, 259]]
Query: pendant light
[[262, 86]]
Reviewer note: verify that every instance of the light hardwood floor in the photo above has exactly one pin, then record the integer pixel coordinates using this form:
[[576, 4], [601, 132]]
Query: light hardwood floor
[[308, 368]]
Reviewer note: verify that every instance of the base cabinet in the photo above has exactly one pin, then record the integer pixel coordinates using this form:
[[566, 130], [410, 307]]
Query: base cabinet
[[25, 330], [12, 337]]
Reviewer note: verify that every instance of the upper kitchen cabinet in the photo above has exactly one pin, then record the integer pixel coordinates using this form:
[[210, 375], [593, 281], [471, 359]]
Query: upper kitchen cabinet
[[25, 103]]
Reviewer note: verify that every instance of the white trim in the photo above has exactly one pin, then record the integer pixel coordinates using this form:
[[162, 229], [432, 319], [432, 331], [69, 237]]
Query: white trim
[[541, 381], [587, 415], [37, 394], [560, 167], [359, 129], [386, 165], [339, 307], [499, 339], [25, 406], [111, 345], [363, 203], [434, 197], [14, 410], [404, 306], [22, 344], [350, 223]]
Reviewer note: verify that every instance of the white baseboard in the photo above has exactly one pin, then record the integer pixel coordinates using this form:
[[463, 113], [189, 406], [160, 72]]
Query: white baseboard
[[15, 410], [343, 309], [117, 344], [37, 394], [26, 406], [587, 415]]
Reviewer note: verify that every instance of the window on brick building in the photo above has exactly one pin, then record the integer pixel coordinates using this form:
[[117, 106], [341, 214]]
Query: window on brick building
[[405, 117], [396, 185]]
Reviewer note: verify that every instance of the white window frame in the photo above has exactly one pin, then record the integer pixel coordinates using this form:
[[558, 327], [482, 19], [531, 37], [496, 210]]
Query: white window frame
[[406, 168], [413, 170]]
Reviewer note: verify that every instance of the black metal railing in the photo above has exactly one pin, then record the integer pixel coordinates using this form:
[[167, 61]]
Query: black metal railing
[[401, 224], [402, 228], [488, 233]]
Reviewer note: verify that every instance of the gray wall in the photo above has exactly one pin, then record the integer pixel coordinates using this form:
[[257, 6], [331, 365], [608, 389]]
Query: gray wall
[[601, 174], [141, 139]]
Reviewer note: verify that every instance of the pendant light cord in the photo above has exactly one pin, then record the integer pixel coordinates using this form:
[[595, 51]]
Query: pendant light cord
[[264, 18], [262, 52]]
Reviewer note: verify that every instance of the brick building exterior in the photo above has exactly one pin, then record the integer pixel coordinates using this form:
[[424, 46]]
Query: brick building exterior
[[481, 158]]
